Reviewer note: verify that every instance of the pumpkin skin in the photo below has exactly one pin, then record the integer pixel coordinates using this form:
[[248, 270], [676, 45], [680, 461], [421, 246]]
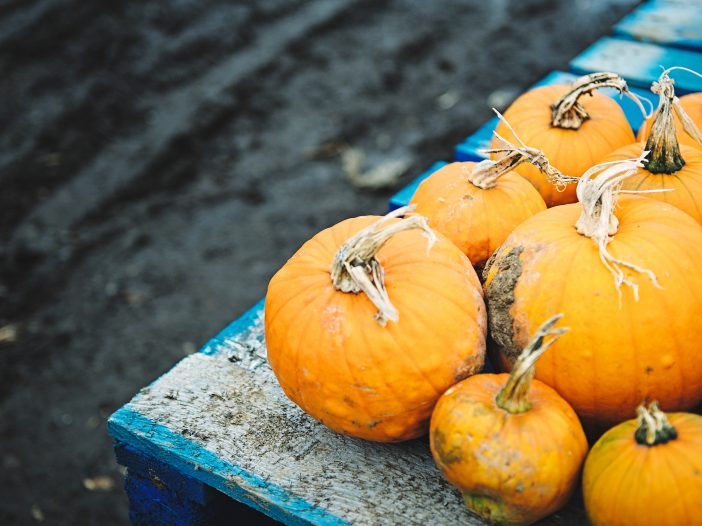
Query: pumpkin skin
[[626, 483], [570, 151], [692, 104], [357, 377], [511, 468], [476, 220], [613, 357], [686, 182]]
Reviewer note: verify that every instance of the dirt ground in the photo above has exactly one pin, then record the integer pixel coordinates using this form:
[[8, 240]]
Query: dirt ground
[[160, 160]]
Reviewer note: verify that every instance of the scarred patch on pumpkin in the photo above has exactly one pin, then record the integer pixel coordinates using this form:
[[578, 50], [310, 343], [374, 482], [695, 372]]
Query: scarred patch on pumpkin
[[499, 295]]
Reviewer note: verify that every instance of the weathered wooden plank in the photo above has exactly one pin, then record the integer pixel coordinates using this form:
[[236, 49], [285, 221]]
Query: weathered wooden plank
[[404, 196], [665, 23], [221, 418], [469, 150], [640, 63]]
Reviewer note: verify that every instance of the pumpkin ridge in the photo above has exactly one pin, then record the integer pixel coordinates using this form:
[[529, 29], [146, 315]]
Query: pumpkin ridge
[[672, 263], [299, 351], [560, 304], [477, 314]]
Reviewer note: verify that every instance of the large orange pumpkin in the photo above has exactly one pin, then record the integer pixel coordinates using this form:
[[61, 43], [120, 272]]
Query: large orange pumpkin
[[692, 105], [477, 205], [573, 132], [631, 290], [669, 165], [646, 472], [374, 366], [512, 446]]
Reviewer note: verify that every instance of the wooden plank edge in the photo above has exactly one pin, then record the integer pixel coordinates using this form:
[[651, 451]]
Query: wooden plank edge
[[157, 441], [239, 325]]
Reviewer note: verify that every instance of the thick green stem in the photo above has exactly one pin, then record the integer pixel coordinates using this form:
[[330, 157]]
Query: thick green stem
[[514, 396], [653, 426]]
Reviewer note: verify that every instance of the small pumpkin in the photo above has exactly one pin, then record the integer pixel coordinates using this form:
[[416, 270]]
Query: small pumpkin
[[370, 321], [573, 131], [669, 165], [511, 445], [692, 105], [625, 345], [646, 471], [477, 205]]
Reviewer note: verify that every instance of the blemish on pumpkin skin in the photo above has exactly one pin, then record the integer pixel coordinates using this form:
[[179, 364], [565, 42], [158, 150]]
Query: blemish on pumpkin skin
[[447, 454], [499, 296]]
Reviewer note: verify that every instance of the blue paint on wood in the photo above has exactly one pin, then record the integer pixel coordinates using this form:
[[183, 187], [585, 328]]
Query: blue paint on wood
[[234, 328], [158, 442], [469, 150], [153, 505], [665, 23], [640, 63], [404, 196], [162, 475]]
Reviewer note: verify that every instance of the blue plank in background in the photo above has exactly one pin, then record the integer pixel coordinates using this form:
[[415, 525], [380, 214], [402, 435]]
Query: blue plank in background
[[665, 23], [403, 197], [640, 64], [469, 150]]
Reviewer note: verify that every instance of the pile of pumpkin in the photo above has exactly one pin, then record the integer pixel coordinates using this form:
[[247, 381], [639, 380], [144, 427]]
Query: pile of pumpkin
[[377, 326]]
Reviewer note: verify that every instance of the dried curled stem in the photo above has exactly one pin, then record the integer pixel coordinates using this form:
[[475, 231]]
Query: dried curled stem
[[509, 156], [514, 396], [598, 191], [569, 114], [355, 268], [653, 426], [665, 156]]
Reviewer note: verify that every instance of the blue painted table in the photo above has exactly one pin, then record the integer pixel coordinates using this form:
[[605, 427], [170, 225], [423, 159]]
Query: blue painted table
[[664, 22], [640, 63]]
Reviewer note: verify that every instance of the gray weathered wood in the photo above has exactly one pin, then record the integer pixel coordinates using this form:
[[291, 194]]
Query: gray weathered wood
[[243, 417]]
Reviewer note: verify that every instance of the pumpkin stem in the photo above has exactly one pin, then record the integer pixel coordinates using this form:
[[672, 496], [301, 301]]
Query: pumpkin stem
[[653, 426], [665, 156], [355, 268], [486, 173], [514, 396], [567, 113], [598, 197]]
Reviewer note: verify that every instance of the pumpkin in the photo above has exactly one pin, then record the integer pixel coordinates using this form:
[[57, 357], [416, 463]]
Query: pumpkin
[[625, 345], [574, 132], [646, 471], [513, 447], [477, 205], [692, 105], [370, 321], [669, 165]]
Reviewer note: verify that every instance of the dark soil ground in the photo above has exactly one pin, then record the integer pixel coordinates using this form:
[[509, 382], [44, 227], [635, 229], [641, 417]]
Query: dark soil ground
[[159, 161]]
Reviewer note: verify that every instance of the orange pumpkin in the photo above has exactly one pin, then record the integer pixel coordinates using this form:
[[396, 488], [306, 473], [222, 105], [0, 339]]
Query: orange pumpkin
[[625, 345], [646, 472], [669, 165], [477, 205], [512, 446], [366, 325], [692, 105], [573, 132]]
